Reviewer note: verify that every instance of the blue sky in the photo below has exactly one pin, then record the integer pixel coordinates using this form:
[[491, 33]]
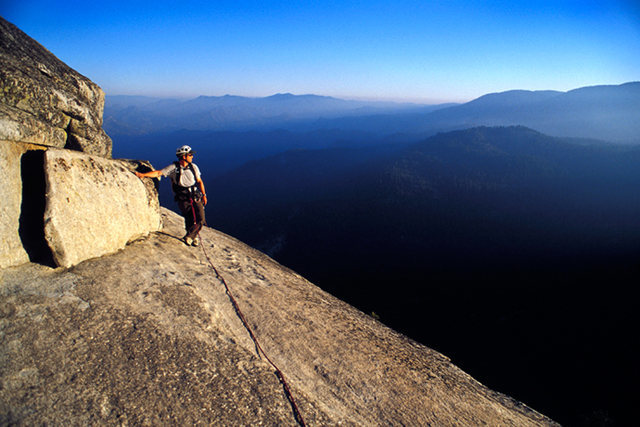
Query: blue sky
[[424, 51]]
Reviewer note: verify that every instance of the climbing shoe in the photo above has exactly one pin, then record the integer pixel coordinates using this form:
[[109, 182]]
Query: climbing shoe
[[188, 240], [196, 241]]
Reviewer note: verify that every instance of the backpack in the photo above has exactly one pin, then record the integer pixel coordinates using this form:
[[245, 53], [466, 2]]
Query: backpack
[[185, 193]]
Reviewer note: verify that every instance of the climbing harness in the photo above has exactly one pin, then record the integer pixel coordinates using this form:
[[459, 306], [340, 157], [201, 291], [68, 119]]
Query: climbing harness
[[245, 323]]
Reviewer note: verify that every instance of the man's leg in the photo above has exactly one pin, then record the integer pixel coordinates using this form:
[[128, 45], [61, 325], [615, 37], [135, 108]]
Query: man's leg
[[200, 219], [197, 217], [187, 214]]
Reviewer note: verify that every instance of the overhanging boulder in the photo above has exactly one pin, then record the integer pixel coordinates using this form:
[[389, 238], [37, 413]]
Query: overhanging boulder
[[44, 101], [94, 206]]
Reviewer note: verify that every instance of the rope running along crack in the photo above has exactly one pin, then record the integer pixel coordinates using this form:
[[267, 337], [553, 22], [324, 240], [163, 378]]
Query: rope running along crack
[[259, 349]]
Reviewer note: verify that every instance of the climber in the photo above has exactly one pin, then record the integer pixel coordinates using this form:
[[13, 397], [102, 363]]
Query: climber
[[188, 189]]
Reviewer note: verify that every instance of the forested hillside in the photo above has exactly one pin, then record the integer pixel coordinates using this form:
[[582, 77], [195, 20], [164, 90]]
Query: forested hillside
[[512, 234]]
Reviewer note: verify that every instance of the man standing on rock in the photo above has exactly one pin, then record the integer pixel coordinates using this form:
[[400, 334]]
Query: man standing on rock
[[188, 189]]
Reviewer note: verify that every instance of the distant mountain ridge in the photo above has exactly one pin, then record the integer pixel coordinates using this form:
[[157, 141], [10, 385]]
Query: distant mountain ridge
[[606, 112], [141, 115], [610, 113]]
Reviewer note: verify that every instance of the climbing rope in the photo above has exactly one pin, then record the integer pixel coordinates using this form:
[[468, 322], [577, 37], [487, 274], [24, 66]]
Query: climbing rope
[[245, 323]]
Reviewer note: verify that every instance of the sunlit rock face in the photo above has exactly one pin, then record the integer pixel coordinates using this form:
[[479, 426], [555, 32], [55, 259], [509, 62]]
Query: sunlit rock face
[[94, 206], [60, 207], [43, 101], [71, 203]]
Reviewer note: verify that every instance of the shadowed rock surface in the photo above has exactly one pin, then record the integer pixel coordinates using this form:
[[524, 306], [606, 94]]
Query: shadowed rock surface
[[148, 336], [44, 101], [12, 251]]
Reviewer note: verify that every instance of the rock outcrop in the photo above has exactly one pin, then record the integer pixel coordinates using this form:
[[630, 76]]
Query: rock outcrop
[[94, 206], [44, 101], [147, 336], [60, 206]]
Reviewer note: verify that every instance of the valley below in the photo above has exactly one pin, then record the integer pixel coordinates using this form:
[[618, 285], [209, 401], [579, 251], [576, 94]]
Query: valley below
[[513, 252]]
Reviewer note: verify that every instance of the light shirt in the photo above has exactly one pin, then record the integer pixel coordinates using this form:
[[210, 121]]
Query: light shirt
[[186, 177]]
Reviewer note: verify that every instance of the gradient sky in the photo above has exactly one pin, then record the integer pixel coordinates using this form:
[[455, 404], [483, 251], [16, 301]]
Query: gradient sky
[[424, 51]]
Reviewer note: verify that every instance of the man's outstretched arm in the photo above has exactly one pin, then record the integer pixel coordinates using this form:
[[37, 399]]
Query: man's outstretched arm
[[150, 174]]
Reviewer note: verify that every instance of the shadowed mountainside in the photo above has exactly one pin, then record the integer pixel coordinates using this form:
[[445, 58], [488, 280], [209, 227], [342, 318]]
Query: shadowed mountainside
[[513, 187], [500, 235]]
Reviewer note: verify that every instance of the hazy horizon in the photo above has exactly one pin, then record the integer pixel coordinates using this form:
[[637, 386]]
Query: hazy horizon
[[407, 51], [354, 98], [346, 98]]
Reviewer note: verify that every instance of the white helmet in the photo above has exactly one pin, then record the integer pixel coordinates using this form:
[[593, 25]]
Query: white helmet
[[185, 149]]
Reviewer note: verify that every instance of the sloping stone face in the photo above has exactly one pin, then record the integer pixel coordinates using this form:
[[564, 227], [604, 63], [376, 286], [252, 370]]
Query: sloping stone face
[[95, 206], [44, 101], [148, 336]]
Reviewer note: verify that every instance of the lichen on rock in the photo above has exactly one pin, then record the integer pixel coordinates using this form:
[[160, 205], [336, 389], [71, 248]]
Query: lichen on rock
[[44, 101], [45, 104]]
